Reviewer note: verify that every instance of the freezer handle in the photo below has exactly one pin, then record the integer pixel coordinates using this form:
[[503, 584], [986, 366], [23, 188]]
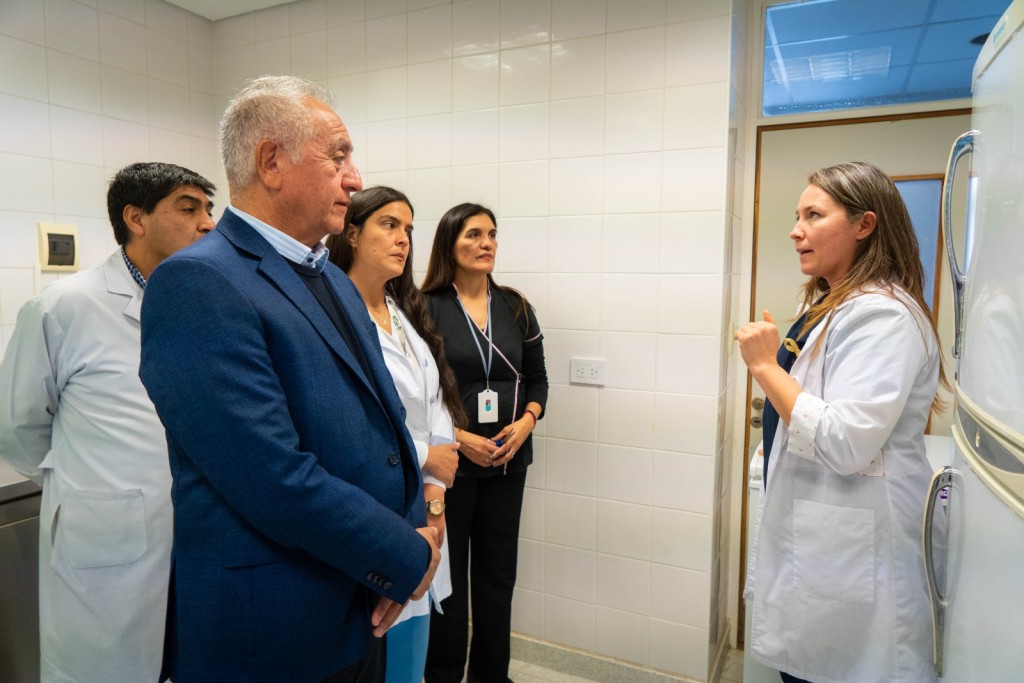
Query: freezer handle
[[963, 146], [940, 486]]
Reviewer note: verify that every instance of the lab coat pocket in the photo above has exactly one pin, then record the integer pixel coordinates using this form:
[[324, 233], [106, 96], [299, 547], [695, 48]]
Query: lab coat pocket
[[102, 529], [834, 551]]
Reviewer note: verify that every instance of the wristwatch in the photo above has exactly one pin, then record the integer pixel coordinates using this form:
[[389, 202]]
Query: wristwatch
[[435, 507]]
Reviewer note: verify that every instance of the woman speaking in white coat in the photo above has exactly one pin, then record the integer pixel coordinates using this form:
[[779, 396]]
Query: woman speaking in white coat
[[376, 251], [837, 579]]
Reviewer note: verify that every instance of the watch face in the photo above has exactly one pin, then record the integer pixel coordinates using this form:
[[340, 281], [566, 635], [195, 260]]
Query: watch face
[[435, 507]]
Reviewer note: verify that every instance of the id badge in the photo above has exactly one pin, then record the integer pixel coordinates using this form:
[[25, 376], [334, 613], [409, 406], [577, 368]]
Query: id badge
[[487, 406]]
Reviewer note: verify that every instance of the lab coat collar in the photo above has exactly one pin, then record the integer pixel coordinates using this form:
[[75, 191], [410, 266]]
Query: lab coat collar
[[120, 282]]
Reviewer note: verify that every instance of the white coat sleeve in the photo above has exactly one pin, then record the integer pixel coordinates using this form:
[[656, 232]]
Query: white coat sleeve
[[422, 450], [29, 389], [873, 356], [441, 430]]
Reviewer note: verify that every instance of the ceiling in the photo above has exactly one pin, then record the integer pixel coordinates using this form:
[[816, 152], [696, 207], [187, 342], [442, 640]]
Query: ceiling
[[836, 54], [221, 9]]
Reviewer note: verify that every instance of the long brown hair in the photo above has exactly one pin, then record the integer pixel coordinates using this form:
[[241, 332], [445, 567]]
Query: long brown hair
[[441, 268], [401, 288], [889, 257]]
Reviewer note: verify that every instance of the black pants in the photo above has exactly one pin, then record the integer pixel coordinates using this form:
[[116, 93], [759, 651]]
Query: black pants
[[786, 678], [369, 669], [482, 525]]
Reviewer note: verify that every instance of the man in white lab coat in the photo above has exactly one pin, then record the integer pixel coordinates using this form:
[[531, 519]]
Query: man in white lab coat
[[75, 418]]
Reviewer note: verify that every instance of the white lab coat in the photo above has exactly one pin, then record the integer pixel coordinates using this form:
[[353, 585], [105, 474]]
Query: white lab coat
[[837, 579], [76, 419], [426, 417]]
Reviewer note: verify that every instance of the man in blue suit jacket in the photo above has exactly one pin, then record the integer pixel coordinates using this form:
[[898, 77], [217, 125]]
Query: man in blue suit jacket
[[299, 523]]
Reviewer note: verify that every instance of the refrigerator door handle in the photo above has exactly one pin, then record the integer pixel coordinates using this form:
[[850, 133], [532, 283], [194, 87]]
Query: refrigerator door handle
[[963, 146], [939, 488]]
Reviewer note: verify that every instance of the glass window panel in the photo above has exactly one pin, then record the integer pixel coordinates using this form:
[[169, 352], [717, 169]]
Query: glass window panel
[[924, 199]]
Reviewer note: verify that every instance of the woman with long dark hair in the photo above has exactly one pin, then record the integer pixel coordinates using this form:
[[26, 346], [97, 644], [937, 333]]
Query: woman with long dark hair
[[494, 345], [376, 251], [837, 583]]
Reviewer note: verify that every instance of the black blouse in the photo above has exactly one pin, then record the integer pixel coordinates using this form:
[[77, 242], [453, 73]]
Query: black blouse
[[522, 343]]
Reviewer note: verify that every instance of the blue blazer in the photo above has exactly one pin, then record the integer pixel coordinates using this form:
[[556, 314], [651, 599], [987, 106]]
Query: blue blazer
[[296, 489]]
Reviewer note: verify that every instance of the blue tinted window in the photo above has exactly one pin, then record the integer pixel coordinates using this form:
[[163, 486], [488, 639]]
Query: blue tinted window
[[923, 199]]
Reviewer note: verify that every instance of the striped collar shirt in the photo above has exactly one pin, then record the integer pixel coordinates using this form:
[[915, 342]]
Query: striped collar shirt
[[285, 245], [136, 275]]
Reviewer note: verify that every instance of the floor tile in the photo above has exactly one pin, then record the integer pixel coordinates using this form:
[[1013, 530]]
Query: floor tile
[[525, 672]]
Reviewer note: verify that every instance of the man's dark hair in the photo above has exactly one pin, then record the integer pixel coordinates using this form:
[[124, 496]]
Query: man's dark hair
[[143, 185]]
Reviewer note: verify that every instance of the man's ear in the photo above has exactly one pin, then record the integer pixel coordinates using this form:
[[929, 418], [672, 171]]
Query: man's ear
[[268, 163], [867, 224], [132, 216]]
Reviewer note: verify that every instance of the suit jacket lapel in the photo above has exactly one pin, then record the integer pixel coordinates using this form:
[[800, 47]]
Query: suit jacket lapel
[[275, 268], [366, 334]]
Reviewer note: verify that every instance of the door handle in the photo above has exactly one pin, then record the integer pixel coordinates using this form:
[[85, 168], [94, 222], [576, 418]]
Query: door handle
[[963, 146], [941, 485], [756, 412]]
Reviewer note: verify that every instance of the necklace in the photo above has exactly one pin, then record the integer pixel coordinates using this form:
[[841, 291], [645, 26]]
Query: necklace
[[381, 320], [481, 325]]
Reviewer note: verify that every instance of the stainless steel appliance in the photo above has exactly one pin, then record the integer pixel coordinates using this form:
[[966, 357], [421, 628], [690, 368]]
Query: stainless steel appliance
[[19, 582], [976, 507]]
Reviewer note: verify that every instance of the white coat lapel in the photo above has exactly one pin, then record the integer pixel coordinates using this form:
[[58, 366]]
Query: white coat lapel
[[120, 282]]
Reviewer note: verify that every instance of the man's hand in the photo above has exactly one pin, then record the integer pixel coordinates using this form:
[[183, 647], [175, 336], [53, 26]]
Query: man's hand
[[384, 615], [429, 533], [387, 610]]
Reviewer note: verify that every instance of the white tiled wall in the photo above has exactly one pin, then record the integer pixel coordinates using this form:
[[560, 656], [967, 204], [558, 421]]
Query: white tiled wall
[[605, 134], [85, 89]]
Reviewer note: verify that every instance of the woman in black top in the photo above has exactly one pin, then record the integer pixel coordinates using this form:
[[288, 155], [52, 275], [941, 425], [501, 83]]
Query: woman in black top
[[494, 345]]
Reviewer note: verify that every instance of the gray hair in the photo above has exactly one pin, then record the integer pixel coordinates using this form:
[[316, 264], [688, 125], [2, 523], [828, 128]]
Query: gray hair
[[268, 108]]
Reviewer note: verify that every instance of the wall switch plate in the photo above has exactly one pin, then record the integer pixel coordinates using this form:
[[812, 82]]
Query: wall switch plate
[[586, 371], [58, 247]]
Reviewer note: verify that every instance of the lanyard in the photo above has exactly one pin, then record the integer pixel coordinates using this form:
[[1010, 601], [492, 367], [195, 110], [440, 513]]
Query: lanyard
[[474, 330], [399, 329]]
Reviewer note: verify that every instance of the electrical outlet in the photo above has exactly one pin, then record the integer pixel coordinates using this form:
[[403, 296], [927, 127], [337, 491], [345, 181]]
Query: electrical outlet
[[586, 371]]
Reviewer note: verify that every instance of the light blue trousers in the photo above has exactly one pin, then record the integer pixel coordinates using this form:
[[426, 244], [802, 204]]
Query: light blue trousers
[[407, 650]]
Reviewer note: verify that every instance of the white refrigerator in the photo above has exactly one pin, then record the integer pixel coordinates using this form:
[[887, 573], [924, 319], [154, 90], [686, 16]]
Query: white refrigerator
[[974, 522]]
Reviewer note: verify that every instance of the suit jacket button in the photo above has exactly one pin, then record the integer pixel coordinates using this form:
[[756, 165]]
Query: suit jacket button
[[370, 576], [393, 459], [387, 585]]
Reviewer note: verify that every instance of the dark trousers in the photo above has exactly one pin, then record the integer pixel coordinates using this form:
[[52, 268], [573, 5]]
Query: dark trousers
[[482, 526], [369, 669], [786, 678]]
